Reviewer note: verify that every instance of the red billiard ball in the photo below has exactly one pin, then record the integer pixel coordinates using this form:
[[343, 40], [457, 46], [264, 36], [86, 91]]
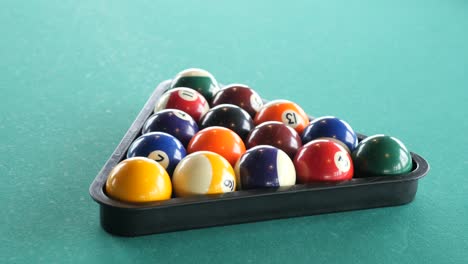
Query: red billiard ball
[[220, 140], [284, 111], [240, 95], [323, 160], [185, 99], [275, 134]]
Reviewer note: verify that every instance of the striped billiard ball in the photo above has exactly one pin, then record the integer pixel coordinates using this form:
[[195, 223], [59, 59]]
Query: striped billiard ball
[[203, 172], [200, 80], [265, 167], [185, 99]]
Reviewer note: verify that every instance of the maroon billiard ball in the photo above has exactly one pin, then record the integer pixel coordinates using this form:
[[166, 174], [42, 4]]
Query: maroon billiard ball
[[323, 160], [240, 95], [185, 99], [277, 134]]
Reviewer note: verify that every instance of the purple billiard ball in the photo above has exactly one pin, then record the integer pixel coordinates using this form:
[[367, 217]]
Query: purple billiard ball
[[174, 122], [333, 128], [265, 167]]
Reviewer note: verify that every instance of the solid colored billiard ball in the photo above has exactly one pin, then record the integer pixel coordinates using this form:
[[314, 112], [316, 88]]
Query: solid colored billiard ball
[[229, 116], [197, 79], [203, 172], [174, 122], [331, 127], [284, 111], [220, 140], [160, 147], [381, 155], [185, 99], [265, 166], [323, 160], [240, 95], [275, 134], [139, 180]]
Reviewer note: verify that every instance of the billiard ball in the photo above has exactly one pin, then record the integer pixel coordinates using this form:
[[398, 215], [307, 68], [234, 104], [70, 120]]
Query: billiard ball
[[197, 79], [323, 160], [331, 127], [138, 180], [284, 111], [381, 155], [265, 166], [275, 134], [160, 147], [220, 140], [240, 95], [185, 99], [229, 116], [203, 172], [174, 122]]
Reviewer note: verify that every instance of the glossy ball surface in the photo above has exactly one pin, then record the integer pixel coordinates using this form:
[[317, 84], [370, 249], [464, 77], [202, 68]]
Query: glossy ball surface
[[160, 147], [203, 172], [263, 167], [381, 155], [240, 95], [228, 116], [283, 111], [331, 127], [185, 99], [174, 122], [275, 134], [323, 160], [200, 80], [220, 140], [138, 180]]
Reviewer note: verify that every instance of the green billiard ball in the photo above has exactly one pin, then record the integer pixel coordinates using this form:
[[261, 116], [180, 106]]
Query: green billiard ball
[[381, 155], [199, 80]]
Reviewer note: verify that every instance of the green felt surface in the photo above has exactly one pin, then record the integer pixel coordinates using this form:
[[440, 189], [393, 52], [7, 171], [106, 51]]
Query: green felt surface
[[74, 75]]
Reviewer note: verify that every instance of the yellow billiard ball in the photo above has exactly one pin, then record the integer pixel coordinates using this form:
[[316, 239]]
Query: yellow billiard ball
[[139, 180]]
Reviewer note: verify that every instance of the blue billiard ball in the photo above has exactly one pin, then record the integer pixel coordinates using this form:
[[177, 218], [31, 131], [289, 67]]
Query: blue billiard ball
[[265, 166], [331, 127], [159, 146], [174, 122]]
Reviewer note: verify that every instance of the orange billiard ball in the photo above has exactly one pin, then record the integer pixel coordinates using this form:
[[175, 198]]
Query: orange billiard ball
[[138, 180], [220, 140], [284, 111]]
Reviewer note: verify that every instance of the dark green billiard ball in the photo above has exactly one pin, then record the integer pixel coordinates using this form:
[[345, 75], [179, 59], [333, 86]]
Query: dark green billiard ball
[[199, 80], [381, 155]]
